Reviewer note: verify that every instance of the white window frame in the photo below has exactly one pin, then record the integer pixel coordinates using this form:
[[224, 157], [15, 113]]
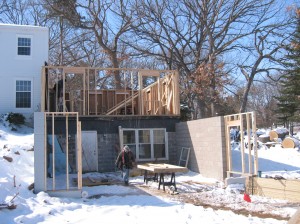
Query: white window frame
[[121, 130], [15, 94], [17, 46]]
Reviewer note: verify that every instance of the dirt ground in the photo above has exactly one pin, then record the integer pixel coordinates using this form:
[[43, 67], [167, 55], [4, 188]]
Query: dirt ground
[[204, 197]]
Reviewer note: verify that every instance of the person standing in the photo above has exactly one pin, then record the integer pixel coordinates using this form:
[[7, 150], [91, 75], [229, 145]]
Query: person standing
[[125, 162]]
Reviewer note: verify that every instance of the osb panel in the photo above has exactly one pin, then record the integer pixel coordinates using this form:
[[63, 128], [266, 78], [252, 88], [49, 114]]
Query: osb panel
[[280, 189]]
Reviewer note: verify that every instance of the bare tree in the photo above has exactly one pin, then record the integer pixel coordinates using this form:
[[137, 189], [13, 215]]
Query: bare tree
[[186, 34], [263, 50], [105, 19], [261, 99]]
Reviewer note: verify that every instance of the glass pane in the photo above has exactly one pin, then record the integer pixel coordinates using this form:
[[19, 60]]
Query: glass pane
[[159, 136], [144, 136], [144, 151], [24, 41], [23, 99], [159, 151], [23, 50], [128, 137]]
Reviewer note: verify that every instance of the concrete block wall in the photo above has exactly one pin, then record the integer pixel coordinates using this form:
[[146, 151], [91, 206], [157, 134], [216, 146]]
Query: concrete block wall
[[206, 139], [172, 147], [108, 148]]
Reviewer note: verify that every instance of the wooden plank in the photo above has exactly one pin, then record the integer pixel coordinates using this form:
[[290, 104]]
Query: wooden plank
[[53, 154], [228, 150], [79, 155], [293, 185], [150, 73], [249, 143], [67, 152], [253, 127], [74, 70], [177, 92], [233, 123], [162, 168], [242, 145], [270, 183], [281, 189]]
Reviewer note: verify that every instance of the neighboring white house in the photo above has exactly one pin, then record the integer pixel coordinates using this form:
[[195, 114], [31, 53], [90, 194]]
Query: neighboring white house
[[23, 51]]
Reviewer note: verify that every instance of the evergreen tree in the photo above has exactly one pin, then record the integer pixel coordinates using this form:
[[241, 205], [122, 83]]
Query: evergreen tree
[[289, 99]]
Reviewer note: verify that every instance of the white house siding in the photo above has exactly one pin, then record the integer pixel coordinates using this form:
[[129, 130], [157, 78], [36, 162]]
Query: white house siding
[[15, 67]]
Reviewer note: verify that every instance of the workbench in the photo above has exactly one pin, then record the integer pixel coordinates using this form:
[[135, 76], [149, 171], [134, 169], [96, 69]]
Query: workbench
[[160, 170]]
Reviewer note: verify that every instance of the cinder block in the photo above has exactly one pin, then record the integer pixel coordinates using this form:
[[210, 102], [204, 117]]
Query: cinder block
[[235, 180]]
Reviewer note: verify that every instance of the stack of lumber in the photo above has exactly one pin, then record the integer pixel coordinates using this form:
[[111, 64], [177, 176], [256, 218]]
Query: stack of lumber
[[290, 142]]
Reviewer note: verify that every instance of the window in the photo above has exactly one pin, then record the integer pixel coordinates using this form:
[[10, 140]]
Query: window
[[146, 144], [23, 94], [24, 46]]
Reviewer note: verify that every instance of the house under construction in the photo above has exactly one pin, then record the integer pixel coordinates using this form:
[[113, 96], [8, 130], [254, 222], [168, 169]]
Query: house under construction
[[88, 114]]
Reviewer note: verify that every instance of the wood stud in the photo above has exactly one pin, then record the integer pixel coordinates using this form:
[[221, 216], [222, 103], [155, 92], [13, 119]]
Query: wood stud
[[158, 99]]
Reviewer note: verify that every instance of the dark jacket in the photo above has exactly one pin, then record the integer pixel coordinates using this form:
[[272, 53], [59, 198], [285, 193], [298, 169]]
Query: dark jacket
[[125, 160]]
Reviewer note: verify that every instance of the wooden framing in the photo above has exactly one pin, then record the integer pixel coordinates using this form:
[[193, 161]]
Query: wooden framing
[[50, 130], [94, 91], [243, 122]]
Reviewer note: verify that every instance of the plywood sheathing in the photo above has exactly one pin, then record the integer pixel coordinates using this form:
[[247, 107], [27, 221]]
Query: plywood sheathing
[[275, 188]]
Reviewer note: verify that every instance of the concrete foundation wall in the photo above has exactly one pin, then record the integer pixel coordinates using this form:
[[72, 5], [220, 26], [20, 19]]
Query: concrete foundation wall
[[206, 139]]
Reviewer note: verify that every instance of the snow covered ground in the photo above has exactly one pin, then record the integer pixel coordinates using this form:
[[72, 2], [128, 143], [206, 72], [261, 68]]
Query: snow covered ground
[[200, 199]]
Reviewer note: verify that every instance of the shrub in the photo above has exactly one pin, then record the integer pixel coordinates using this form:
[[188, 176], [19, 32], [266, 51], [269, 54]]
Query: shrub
[[15, 118]]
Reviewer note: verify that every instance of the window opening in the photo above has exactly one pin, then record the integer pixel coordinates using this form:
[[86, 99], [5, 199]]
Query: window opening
[[23, 94], [24, 46]]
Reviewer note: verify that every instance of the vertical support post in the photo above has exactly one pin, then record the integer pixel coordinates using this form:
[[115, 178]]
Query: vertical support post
[[177, 92], [228, 147], [64, 91], [159, 96], [242, 143], [96, 95], [254, 143], [141, 100], [79, 155], [67, 151], [88, 91], [249, 143], [132, 92], [83, 84], [125, 91], [53, 154]]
